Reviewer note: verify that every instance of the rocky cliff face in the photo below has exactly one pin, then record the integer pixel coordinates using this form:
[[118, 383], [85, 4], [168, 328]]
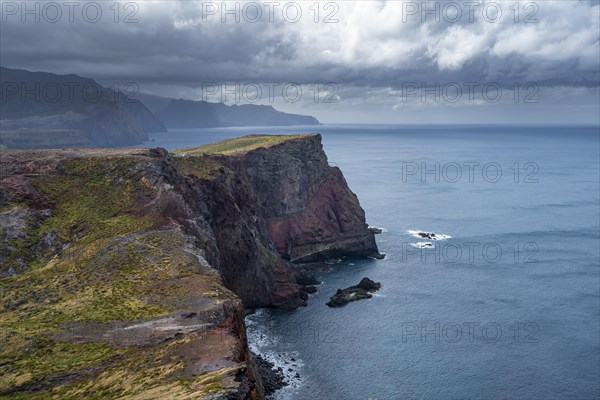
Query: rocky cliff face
[[273, 206], [310, 211], [124, 269]]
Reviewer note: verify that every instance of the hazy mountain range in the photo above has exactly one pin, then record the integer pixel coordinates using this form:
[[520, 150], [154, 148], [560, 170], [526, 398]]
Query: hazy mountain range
[[178, 113], [44, 110]]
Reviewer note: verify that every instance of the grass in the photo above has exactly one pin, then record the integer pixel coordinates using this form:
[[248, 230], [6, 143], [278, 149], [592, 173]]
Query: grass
[[43, 358], [201, 167], [241, 144], [115, 269], [89, 204], [106, 274], [98, 282], [94, 284]]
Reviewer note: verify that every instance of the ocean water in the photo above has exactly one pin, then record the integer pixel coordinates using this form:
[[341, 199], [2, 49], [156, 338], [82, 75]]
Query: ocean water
[[506, 307]]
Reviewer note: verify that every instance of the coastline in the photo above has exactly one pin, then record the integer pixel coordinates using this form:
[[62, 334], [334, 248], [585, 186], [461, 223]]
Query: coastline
[[228, 219]]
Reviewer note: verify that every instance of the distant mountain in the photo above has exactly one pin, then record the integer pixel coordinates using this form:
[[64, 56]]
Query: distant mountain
[[251, 114], [201, 114], [189, 114], [44, 110], [40, 109]]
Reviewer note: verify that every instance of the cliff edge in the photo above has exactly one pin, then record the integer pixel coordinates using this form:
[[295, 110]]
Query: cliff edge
[[275, 201], [123, 273]]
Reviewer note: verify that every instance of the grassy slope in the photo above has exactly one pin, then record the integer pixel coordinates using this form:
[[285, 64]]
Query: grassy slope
[[241, 144], [114, 270]]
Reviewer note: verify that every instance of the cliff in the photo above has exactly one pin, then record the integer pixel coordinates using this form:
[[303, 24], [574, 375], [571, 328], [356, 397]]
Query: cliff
[[125, 272]]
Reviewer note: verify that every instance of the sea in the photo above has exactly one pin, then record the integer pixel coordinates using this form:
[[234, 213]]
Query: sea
[[503, 304]]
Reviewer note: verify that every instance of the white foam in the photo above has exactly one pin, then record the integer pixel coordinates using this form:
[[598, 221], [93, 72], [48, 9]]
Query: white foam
[[423, 245], [383, 230], [383, 254], [432, 235], [262, 343]]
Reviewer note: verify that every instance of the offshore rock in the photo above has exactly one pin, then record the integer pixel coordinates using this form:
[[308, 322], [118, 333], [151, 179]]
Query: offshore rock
[[359, 292]]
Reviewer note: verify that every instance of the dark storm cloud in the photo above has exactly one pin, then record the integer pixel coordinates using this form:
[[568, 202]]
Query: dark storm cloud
[[372, 44]]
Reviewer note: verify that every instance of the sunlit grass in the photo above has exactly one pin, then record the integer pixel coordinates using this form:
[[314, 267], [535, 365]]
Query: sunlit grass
[[241, 144]]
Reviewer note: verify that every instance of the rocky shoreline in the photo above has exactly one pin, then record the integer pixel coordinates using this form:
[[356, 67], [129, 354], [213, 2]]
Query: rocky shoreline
[[272, 378], [147, 252]]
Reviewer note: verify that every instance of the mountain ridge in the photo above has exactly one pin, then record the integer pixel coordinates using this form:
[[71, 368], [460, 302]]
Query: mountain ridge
[[46, 110], [181, 114], [35, 103]]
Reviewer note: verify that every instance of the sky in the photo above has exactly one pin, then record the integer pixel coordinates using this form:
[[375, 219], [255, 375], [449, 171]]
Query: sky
[[370, 61]]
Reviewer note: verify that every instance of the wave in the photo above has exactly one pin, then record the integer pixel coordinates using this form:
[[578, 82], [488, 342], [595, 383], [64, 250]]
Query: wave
[[261, 340], [429, 235], [423, 245]]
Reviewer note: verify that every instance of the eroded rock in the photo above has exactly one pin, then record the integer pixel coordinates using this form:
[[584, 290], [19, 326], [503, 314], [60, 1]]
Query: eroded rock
[[358, 292]]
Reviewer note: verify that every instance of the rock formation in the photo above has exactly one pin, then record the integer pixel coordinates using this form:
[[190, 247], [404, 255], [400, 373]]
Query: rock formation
[[358, 292], [124, 269]]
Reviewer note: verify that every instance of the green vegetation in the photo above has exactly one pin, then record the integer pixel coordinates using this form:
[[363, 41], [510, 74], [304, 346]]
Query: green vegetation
[[90, 205], [201, 167], [112, 269], [42, 358], [241, 144], [135, 373]]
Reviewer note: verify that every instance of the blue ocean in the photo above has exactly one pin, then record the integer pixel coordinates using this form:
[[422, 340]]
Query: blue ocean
[[505, 304]]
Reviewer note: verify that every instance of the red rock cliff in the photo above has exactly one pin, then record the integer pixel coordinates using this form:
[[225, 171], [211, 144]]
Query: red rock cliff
[[277, 205]]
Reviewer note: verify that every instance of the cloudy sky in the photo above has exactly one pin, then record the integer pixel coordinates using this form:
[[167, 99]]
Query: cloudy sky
[[352, 61]]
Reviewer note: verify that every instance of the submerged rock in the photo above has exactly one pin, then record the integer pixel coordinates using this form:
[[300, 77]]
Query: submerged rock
[[310, 289], [429, 235], [375, 230], [303, 295], [361, 291]]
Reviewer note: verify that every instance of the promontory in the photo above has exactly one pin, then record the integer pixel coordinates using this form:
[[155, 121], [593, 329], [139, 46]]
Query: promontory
[[124, 273]]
